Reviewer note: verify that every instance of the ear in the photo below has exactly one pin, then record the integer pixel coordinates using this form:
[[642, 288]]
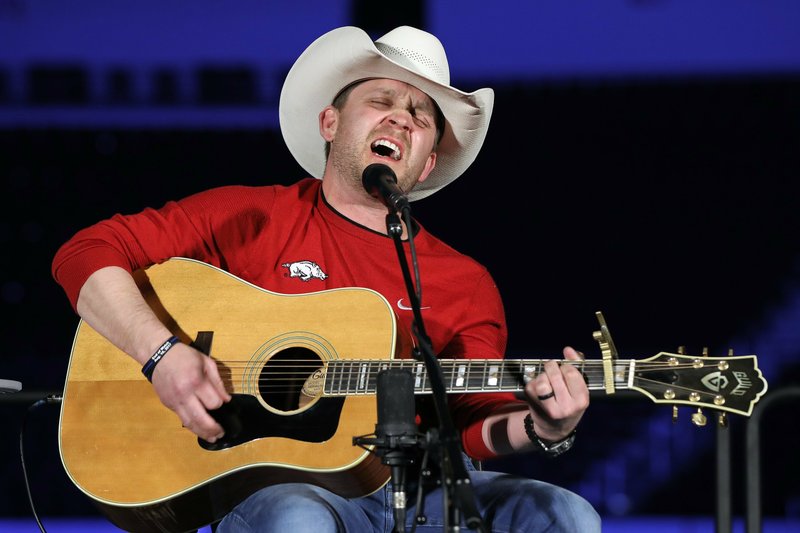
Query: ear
[[429, 165], [328, 121]]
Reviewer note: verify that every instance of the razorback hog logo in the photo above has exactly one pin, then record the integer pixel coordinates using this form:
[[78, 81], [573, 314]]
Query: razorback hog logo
[[305, 270]]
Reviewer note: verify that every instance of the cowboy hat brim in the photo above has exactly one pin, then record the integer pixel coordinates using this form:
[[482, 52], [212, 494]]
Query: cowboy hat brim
[[346, 55]]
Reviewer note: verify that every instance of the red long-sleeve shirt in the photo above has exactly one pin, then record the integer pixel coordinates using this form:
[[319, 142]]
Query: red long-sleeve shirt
[[289, 240]]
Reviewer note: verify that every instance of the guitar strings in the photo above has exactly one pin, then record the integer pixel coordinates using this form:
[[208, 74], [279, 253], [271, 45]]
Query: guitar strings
[[291, 376], [460, 362]]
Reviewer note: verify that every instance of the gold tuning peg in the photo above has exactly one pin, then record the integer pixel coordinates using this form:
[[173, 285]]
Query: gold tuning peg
[[698, 418], [722, 418], [705, 351], [681, 350], [674, 414]]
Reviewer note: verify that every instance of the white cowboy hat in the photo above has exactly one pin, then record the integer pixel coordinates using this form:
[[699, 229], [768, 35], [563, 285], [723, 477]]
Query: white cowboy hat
[[346, 55]]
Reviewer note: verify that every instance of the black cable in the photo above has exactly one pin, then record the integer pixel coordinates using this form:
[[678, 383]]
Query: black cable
[[413, 249], [51, 399]]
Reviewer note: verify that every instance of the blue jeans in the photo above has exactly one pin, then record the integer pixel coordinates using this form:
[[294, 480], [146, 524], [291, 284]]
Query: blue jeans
[[508, 504]]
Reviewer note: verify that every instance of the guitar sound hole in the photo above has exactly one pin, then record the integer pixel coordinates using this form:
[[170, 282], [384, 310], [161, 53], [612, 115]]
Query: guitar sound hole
[[283, 377]]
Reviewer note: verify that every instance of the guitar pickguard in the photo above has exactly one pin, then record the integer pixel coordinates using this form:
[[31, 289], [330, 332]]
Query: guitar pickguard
[[244, 419]]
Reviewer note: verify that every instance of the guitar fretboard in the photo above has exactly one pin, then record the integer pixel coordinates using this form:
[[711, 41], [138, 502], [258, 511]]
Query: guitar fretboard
[[359, 376]]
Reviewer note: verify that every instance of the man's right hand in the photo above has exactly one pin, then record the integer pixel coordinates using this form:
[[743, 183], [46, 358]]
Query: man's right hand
[[188, 382]]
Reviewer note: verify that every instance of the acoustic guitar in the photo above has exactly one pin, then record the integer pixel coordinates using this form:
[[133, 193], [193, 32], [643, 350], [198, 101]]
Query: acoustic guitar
[[302, 372]]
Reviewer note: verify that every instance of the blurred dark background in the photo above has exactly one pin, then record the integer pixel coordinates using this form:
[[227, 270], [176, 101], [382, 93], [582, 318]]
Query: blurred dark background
[[642, 161]]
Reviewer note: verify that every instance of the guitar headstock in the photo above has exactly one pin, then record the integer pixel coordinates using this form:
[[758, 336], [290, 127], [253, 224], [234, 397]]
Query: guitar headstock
[[732, 384]]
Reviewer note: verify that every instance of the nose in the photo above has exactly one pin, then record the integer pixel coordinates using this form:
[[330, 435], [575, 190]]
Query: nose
[[400, 118]]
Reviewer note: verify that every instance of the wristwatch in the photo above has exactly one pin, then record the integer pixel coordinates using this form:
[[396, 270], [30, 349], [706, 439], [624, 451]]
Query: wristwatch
[[550, 448]]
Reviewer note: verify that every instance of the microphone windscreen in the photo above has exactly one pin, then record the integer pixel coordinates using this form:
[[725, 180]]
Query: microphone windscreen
[[396, 411], [372, 176]]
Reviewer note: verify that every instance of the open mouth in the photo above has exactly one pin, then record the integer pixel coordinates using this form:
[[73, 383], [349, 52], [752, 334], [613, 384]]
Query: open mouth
[[385, 148]]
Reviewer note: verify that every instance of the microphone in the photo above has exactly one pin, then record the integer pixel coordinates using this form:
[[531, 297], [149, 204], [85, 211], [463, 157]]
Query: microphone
[[397, 431], [380, 182]]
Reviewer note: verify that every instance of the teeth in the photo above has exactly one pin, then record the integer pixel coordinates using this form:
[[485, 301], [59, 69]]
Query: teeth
[[391, 146]]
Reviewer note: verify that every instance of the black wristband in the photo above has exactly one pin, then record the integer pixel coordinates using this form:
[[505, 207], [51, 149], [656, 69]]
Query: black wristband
[[553, 449], [150, 365]]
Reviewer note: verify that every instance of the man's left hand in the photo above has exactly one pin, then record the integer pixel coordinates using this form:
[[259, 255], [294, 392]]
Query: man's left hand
[[558, 398]]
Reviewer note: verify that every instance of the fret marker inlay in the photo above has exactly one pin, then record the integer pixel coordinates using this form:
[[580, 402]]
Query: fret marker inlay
[[493, 370], [462, 371]]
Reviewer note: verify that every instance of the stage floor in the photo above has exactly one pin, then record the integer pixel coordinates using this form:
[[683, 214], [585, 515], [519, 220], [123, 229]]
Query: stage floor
[[610, 525]]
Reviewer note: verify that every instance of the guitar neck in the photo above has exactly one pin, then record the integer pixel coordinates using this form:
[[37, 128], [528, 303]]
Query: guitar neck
[[359, 377]]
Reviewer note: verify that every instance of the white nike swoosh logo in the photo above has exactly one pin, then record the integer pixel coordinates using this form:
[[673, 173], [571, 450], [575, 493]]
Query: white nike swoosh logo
[[406, 308]]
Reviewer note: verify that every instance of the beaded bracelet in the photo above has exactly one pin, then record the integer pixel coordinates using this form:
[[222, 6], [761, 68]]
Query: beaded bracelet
[[552, 449], [150, 365]]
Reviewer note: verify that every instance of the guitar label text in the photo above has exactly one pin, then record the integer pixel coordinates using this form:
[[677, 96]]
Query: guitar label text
[[744, 383]]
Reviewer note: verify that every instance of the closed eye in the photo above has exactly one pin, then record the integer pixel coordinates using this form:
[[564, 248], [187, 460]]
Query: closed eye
[[422, 123]]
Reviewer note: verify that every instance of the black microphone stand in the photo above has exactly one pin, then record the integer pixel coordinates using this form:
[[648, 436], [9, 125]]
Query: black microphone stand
[[458, 495]]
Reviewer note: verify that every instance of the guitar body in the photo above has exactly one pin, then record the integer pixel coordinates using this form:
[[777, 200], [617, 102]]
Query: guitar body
[[130, 454]]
